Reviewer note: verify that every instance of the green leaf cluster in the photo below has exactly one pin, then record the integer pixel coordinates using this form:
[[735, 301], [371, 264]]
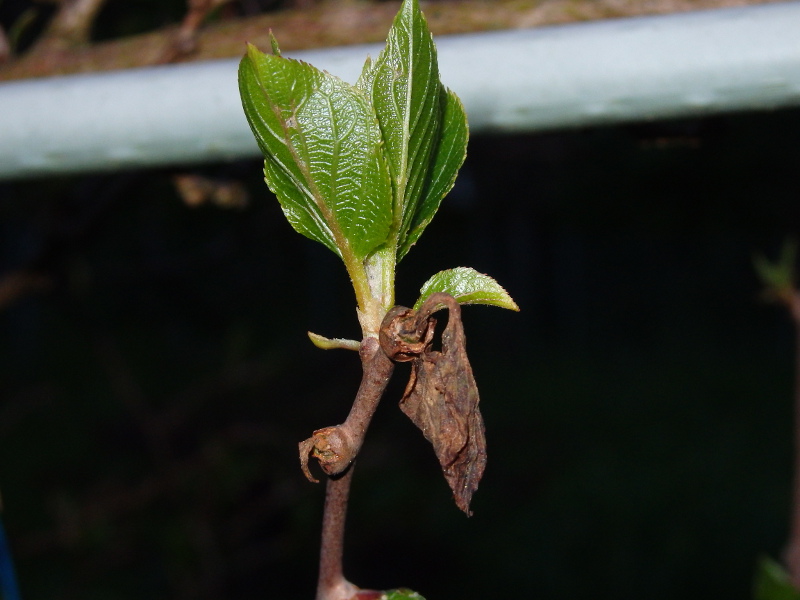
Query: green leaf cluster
[[359, 168], [363, 168]]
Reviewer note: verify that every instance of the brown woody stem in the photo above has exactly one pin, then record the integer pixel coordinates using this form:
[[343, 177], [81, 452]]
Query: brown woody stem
[[336, 448], [332, 584]]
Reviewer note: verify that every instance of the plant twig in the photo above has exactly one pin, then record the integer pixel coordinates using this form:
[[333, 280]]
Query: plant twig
[[185, 40], [793, 547], [332, 584], [5, 46], [70, 27], [779, 279], [336, 448]]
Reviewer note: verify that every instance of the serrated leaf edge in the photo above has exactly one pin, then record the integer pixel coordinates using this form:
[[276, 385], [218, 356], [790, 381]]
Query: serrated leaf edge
[[507, 302]]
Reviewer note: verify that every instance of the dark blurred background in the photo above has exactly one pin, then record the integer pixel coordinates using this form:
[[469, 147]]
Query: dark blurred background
[[155, 382], [155, 377]]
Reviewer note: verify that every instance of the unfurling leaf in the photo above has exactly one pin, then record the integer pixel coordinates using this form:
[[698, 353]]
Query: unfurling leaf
[[467, 286], [423, 124], [323, 151], [441, 397], [403, 86]]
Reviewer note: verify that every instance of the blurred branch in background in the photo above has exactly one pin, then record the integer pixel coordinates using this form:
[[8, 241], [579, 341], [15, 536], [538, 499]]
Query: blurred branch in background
[[780, 286], [63, 48], [70, 27], [5, 46], [185, 41]]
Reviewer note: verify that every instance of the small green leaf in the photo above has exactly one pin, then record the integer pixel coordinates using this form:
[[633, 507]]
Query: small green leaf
[[467, 286], [323, 343], [323, 150], [403, 85], [448, 156], [401, 594], [772, 582]]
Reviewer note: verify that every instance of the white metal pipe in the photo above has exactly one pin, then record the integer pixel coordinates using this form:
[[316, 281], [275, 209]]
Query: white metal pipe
[[521, 80]]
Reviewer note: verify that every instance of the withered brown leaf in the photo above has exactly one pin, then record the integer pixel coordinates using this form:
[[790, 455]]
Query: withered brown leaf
[[441, 398]]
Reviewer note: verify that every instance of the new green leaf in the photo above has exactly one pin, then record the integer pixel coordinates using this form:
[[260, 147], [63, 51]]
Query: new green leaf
[[412, 107], [467, 286], [323, 152]]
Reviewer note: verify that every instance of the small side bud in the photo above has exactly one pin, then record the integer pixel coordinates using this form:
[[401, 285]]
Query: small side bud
[[331, 447], [320, 341]]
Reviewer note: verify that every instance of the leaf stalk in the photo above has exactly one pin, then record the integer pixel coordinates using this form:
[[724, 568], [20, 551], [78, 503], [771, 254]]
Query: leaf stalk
[[378, 273]]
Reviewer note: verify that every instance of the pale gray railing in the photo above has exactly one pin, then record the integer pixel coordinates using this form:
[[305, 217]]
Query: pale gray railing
[[524, 80]]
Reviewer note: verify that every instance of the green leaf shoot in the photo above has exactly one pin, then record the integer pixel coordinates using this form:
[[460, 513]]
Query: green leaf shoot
[[363, 168], [467, 286]]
